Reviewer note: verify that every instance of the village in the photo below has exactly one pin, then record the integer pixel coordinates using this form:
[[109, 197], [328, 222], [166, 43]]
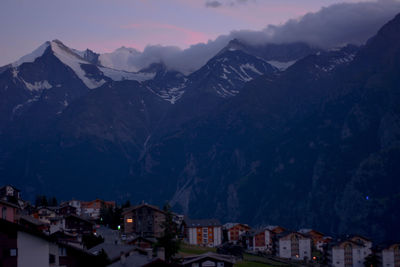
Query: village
[[102, 233]]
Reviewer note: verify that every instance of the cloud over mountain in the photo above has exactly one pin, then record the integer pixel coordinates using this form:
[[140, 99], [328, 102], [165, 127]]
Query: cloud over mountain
[[330, 27]]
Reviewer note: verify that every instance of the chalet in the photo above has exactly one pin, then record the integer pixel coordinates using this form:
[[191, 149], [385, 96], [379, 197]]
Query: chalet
[[73, 203], [293, 245], [347, 253], [9, 193], [143, 220], [319, 240], [276, 229], [24, 247], [45, 214], [33, 223], [77, 224], [67, 210], [390, 256], [203, 232], [8, 211], [235, 230], [93, 208], [259, 240], [209, 260]]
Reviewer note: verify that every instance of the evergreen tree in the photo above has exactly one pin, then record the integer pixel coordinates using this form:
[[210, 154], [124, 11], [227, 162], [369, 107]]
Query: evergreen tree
[[169, 240]]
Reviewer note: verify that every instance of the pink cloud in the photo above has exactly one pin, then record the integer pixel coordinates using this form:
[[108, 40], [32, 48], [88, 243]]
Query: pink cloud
[[188, 36]]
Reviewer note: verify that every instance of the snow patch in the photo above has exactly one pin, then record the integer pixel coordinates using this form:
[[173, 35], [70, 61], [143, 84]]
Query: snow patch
[[281, 65], [38, 52], [250, 67], [120, 75], [37, 86]]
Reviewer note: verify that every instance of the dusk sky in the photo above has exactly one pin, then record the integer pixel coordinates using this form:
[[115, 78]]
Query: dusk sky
[[105, 25]]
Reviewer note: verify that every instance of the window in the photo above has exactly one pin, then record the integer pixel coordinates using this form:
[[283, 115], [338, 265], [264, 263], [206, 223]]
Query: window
[[62, 251], [52, 258], [13, 252], [4, 213], [129, 220]]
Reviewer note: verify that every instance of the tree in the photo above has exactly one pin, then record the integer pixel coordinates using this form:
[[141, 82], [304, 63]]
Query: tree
[[169, 239], [371, 260], [41, 200]]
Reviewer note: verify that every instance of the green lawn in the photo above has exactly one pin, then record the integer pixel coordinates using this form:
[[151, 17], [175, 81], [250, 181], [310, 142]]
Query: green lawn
[[187, 250]]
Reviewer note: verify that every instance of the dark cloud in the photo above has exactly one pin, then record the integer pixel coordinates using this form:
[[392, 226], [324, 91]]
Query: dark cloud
[[213, 4], [220, 3], [330, 27]]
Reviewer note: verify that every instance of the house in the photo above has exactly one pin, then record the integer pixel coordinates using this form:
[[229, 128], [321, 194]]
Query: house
[[203, 232], [73, 203], [276, 229], [143, 220], [10, 193], [209, 260], [362, 240], [67, 210], [319, 240], [24, 247], [45, 214], [235, 230], [33, 223], [347, 253], [259, 240], [293, 245], [76, 224], [8, 211], [390, 255], [93, 208]]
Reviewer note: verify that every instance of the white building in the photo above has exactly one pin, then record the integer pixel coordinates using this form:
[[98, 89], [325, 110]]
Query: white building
[[204, 232], [390, 256], [24, 247], [348, 253], [293, 245]]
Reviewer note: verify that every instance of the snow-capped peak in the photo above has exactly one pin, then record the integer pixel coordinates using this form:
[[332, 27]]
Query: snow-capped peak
[[74, 61], [38, 52]]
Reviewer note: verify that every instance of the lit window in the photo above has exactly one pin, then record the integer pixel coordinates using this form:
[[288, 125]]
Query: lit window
[[129, 220]]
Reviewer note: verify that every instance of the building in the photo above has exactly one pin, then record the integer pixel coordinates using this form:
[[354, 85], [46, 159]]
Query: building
[[363, 241], [24, 247], [319, 240], [9, 193], [203, 232], [8, 211], [293, 245], [235, 230], [73, 203], [143, 220], [46, 214], [67, 210], [76, 224], [276, 229], [208, 260], [259, 240], [390, 256], [93, 208], [347, 253]]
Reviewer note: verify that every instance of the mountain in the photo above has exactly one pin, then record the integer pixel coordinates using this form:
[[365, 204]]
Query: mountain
[[313, 145]]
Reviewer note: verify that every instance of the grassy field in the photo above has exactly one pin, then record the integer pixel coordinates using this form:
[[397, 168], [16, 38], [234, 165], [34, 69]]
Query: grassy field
[[187, 250]]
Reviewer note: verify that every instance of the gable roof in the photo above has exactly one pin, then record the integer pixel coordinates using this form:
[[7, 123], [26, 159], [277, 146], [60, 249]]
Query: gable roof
[[208, 255], [129, 209]]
